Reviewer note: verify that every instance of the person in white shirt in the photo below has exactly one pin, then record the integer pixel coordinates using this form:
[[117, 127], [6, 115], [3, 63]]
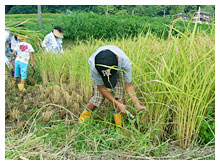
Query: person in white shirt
[[24, 51], [10, 43], [53, 41], [8, 52]]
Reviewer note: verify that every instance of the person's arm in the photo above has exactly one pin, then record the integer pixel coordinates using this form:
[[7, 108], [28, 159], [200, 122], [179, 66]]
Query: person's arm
[[61, 49], [59, 42], [12, 55], [103, 90], [32, 59], [132, 94]]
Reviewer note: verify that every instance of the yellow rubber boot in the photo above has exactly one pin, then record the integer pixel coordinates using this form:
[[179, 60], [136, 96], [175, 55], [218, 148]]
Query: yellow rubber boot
[[86, 114], [14, 84], [21, 87], [118, 118]]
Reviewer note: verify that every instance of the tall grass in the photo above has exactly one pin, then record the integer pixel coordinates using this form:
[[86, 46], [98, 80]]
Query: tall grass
[[174, 79]]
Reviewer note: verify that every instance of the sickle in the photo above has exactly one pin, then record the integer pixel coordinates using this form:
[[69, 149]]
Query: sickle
[[33, 71]]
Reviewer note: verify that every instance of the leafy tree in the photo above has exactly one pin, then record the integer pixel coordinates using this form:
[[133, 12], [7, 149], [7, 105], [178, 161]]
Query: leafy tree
[[8, 8], [190, 10], [175, 9], [151, 11], [139, 10], [208, 8], [104, 9], [23, 9]]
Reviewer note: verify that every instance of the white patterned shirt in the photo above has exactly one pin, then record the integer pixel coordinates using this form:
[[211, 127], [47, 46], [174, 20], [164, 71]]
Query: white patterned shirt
[[23, 50], [52, 44]]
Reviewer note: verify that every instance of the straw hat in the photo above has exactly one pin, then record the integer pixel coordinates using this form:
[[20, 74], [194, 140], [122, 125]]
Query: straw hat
[[57, 33]]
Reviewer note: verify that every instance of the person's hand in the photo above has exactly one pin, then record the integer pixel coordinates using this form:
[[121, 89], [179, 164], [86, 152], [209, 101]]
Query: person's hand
[[10, 60], [140, 107], [121, 107], [32, 65]]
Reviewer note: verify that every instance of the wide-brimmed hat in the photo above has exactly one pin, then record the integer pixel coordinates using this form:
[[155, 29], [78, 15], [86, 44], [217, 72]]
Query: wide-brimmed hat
[[57, 33], [105, 62]]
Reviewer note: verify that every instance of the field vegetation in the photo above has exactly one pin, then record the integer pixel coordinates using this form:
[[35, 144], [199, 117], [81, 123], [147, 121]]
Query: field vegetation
[[83, 26], [174, 77]]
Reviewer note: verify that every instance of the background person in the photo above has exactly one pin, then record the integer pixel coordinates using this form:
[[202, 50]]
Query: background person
[[105, 78], [53, 41], [8, 52], [11, 41], [24, 51]]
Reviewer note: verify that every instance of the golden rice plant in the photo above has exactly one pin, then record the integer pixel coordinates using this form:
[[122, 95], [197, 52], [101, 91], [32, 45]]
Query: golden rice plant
[[34, 37], [173, 78]]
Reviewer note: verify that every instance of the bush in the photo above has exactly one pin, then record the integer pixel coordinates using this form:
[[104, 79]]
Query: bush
[[83, 26], [86, 25]]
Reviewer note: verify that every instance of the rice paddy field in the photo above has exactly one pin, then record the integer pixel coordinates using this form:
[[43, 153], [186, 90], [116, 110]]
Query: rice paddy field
[[174, 78]]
